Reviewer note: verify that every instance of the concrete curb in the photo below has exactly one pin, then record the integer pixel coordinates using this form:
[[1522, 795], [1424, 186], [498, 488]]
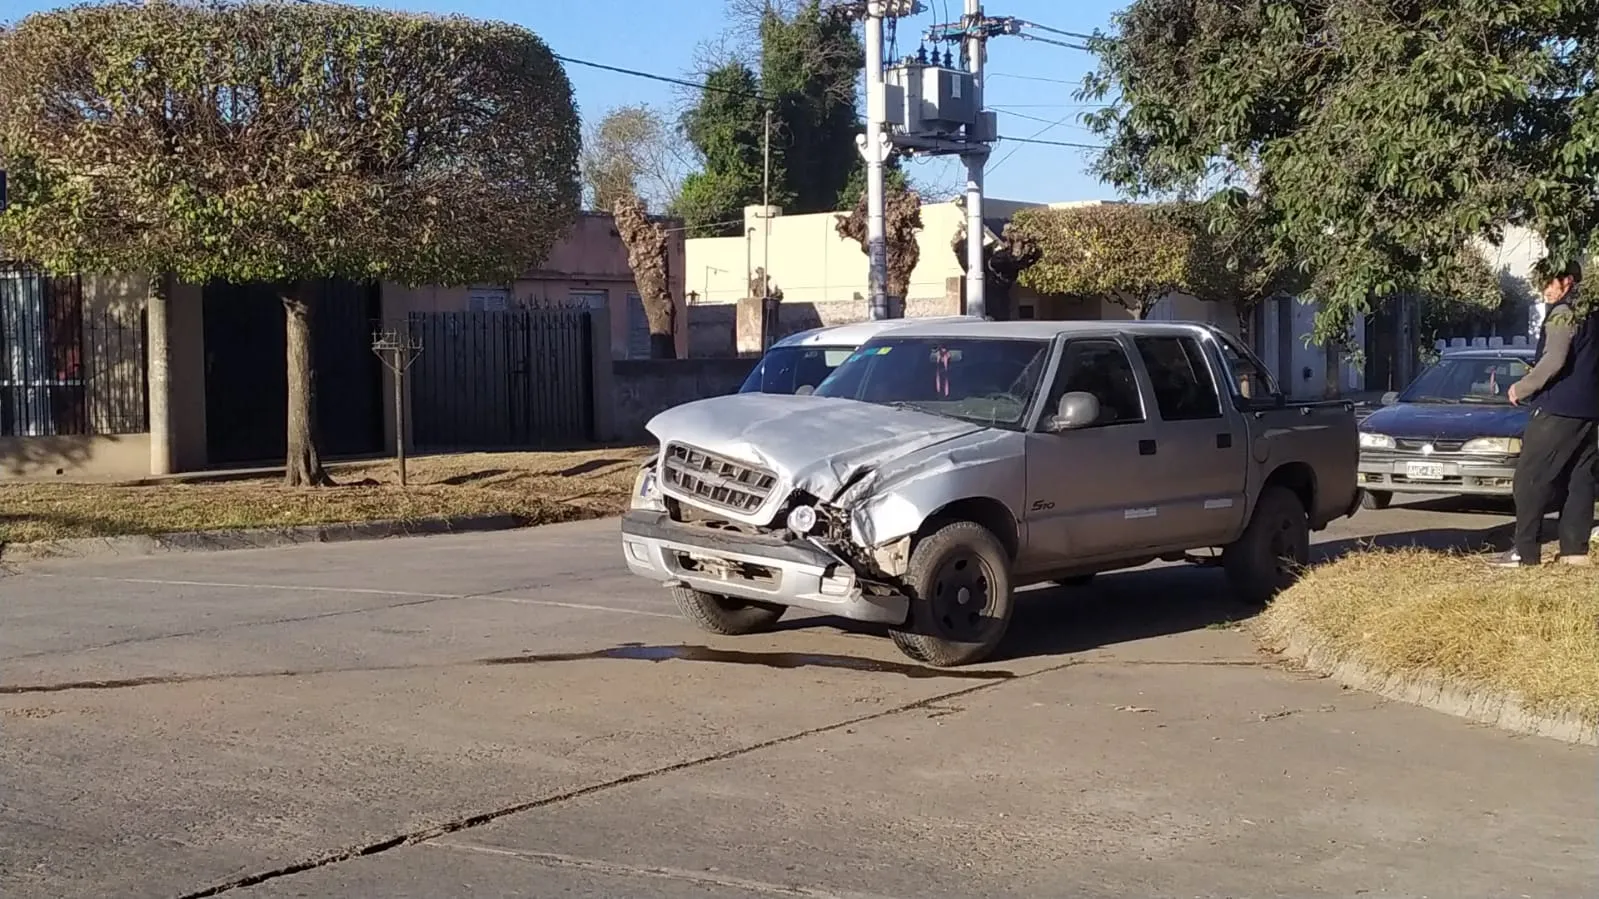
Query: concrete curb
[[263, 538], [1475, 704]]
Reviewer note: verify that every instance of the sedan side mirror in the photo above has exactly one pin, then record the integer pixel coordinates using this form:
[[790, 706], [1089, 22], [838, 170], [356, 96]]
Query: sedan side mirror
[[1076, 410], [1391, 397]]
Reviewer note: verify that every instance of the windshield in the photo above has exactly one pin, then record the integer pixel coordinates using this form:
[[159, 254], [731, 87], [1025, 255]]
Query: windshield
[[982, 380], [787, 369], [1467, 380]]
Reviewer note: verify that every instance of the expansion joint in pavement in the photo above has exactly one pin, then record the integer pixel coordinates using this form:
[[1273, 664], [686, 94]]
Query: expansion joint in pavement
[[469, 822]]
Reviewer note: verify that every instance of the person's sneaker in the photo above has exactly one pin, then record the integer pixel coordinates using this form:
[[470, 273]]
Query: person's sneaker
[[1581, 561], [1510, 559]]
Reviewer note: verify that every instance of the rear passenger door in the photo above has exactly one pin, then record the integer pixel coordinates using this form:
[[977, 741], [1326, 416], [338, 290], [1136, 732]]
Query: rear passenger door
[[1091, 492], [1202, 443]]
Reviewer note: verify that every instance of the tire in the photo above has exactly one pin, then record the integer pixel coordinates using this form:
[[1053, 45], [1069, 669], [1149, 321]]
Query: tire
[[961, 598], [725, 615], [1375, 500], [1274, 547]]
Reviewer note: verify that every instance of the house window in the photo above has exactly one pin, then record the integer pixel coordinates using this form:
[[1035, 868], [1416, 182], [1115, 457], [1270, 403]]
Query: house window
[[590, 299], [487, 299], [41, 352]]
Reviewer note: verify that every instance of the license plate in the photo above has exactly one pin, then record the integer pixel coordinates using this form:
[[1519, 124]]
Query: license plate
[[1424, 471]]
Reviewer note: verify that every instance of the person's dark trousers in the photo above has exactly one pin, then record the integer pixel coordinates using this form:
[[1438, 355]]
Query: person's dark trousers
[[1558, 454]]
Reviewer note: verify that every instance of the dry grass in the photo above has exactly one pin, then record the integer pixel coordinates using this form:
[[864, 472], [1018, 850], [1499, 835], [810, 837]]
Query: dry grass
[[538, 487], [1530, 633]]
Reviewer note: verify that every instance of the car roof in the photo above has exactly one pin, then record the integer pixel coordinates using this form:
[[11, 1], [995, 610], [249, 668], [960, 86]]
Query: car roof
[[1045, 330], [1488, 352], [856, 333]]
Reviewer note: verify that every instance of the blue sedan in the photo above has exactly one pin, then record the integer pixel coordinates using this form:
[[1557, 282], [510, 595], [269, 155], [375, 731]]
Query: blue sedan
[[1452, 431]]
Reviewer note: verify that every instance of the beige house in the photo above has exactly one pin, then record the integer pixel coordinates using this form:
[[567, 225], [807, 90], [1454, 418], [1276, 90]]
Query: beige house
[[822, 276], [73, 383]]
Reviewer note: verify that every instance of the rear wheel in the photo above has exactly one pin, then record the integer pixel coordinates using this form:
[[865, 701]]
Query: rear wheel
[[961, 599], [1376, 500], [1274, 548], [724, 614]]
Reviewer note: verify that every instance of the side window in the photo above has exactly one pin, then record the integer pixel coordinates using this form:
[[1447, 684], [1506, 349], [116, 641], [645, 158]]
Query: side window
[[1099, 367], [1251, 381], [1184, 389]]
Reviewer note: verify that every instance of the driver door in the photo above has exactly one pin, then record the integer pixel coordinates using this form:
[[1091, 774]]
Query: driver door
[[1092, 492]]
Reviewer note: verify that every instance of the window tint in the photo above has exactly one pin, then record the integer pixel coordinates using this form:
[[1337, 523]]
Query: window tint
[[1184, 389], [1099, 367]]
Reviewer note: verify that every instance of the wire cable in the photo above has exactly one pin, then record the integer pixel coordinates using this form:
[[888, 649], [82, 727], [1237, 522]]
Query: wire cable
[[682, 82]]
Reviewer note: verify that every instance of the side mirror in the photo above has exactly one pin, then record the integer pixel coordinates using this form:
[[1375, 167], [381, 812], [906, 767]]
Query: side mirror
[[1076, 410], [1391, 397]]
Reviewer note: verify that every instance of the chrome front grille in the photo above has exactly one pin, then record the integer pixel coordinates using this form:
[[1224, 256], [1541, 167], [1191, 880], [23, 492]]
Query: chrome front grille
[[716, 481], [1442, 446]]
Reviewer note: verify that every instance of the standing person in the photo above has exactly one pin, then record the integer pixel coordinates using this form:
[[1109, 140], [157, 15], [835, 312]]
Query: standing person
[[1560, 447]]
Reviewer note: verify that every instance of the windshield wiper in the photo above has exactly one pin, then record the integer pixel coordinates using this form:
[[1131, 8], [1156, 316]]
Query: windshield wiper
[[1444, 400]]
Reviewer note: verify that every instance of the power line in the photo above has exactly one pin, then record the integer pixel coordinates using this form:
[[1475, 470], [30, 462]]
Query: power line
[[1045, 40], [1076, 34], [682, 82], [1030, 78], [1051, 143], [1034, 118]]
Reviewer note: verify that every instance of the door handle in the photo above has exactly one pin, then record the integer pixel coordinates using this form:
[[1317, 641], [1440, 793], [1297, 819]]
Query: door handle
[[1224, 441], [1146, 447]]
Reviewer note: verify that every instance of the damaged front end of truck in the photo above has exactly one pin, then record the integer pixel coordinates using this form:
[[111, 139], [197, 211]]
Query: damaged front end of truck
[[800, 501]]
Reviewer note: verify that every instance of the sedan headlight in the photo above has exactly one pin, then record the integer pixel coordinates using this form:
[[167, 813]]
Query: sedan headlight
[[647, 491], [1493, 446], [1369, 440]]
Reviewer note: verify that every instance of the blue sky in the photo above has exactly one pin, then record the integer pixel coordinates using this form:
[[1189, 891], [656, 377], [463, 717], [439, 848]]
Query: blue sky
[[662, 36]]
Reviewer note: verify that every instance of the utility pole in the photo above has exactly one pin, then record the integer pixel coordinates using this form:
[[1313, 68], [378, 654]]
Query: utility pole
[[768, 308], [874, 147], [976, 159]]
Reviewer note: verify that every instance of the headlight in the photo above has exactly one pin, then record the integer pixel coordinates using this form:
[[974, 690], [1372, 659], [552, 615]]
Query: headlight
[[1493, 446], [646, 491], [802, 520], [1375, 441]]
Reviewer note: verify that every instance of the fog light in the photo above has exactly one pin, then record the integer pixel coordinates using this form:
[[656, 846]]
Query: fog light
[[802, 520]]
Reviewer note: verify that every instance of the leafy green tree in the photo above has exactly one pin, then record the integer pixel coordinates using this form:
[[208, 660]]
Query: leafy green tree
[[1131, 254], [1384, 136], [809, 63], [284, 143]]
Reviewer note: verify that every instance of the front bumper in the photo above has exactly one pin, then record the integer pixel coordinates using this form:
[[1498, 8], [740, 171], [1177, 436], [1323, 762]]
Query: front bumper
[[792, 573], [1454, 475]]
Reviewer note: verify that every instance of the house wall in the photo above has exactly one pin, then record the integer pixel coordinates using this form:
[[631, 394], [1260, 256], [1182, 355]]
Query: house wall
[[644, 388], [810, 263]]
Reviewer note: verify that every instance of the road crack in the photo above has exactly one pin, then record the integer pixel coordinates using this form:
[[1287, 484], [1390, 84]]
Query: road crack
[[469, 822]]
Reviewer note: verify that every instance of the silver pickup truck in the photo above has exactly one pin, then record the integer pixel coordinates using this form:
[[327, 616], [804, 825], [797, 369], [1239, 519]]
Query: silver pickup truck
[[943, 466]]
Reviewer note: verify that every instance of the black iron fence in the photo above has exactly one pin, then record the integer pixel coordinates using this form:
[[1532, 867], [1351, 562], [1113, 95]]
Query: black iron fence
[[66, 368], [502, 380]]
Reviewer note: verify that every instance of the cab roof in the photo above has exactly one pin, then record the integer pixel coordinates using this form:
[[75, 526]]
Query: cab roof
[[1042, 330], [856, 333]]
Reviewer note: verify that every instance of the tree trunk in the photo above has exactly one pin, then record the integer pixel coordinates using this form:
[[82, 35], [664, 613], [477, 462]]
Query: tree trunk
[[158, 379], [303, 467], [663, 346]]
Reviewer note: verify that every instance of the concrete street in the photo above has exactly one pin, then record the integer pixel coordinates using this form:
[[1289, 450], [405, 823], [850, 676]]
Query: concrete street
[[512, 715]]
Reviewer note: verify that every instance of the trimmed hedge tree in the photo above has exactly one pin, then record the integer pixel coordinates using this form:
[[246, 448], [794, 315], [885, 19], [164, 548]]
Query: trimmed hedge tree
[[284, 143]]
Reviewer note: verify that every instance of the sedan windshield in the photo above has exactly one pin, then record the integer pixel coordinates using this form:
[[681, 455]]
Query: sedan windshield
[[789, 368], [1466, 380], [983, 380]]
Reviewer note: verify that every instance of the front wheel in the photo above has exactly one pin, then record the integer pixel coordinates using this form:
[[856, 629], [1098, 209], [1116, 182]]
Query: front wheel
[[1274, 547], [723, 614], [961, 600]]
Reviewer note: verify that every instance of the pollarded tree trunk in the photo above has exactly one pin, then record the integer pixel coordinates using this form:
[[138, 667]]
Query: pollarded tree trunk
[[303, 467]]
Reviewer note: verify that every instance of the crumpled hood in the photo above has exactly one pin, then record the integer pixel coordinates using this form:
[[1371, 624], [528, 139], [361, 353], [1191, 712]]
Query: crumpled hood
[[817, 444]]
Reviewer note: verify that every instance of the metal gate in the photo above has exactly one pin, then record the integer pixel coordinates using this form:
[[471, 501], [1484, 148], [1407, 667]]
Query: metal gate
[[502, 380], [246, 385]]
